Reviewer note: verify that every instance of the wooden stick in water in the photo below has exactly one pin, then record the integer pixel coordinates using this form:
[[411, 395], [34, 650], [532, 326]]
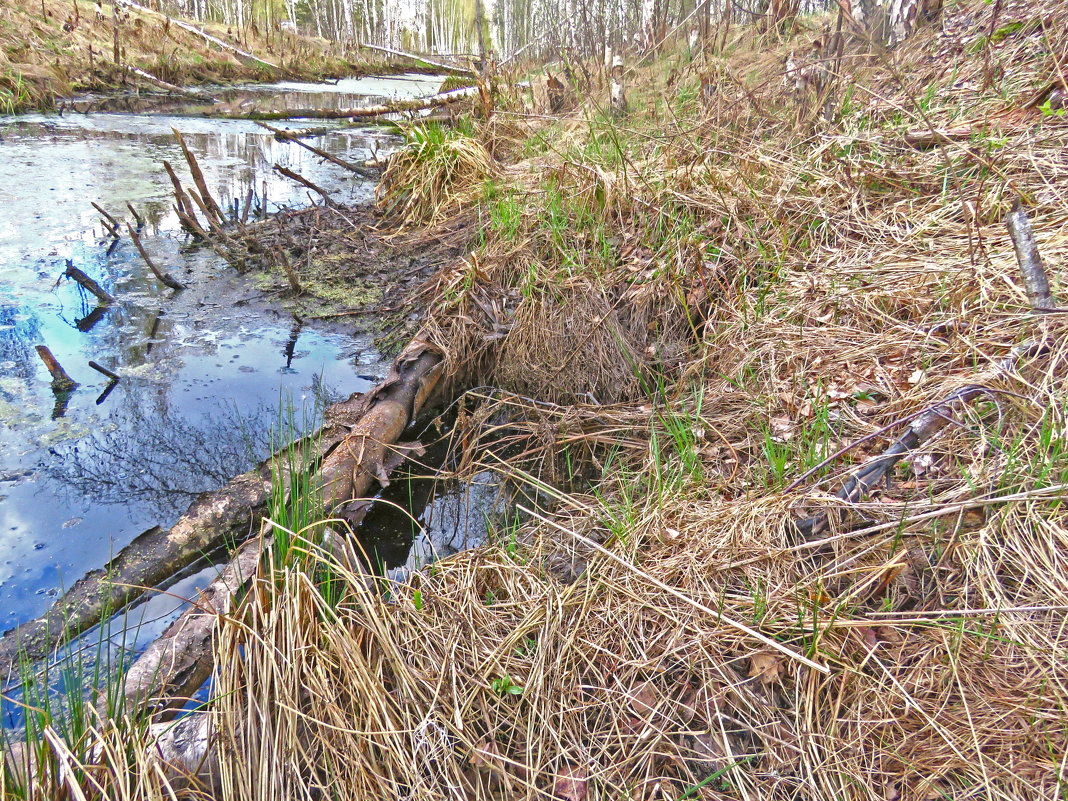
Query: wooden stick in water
[[77, 275], [61, 382], [162, 276], [136, 216], [101, 369], [113, 224]]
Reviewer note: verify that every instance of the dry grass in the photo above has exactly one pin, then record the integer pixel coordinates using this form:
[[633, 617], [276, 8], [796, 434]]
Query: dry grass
[[752, 297], [40, 59]]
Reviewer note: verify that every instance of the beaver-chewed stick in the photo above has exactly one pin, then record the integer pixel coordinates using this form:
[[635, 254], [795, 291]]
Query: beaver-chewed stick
[[300, 179], [77, 275], [137, 217], [112, 224], [176, 664], [212, 209], [162, 276], [61, 382], [105, 371]]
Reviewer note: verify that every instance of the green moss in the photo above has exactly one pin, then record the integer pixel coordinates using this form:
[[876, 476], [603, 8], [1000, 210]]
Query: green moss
[[352, 293]]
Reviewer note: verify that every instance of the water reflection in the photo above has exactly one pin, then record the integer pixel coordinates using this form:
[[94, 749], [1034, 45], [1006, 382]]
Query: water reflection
[[202, 371]]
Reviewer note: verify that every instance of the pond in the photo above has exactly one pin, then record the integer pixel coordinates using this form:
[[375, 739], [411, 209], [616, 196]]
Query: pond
[[204, 371]]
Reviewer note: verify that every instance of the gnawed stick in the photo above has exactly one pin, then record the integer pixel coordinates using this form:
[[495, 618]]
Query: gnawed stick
[[1034, 274], [942, 414], [162, 276], [212, 208], [348, 165], [113, 224], [137, 217], [184, 208], [300, 179], [61, 382], [105, 371], [84, 280]]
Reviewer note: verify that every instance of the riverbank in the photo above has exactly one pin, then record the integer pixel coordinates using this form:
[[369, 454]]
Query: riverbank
[[47, 53], [786, 421]]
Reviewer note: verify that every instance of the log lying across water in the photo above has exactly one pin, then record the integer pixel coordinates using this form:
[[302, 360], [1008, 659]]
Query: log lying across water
[[366, 424], [363, 112], [177, 663]]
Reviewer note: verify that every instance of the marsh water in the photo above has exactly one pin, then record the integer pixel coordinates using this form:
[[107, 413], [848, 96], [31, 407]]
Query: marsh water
[[204, 371]]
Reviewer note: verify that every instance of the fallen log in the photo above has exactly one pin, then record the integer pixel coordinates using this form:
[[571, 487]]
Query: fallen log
[[170, 87], [179, 662], [362, 112], [419, 59], [207, 36], [285, 136], [942, 414], [224, 515]]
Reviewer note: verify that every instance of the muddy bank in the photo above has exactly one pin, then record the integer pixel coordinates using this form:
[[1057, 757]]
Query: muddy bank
[[353, 267]]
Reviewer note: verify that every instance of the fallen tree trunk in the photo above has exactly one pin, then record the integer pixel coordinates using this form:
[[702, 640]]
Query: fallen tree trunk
[[226, 514], [362, 112], [170, 87], [180, 661], [419, 59], [285, 136], [207, 36]]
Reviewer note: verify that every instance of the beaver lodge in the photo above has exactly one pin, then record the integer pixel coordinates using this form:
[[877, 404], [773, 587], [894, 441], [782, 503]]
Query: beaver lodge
[[762, 332]]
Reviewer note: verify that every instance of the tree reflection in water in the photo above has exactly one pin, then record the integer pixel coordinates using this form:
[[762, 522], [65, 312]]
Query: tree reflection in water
[[157, 458]]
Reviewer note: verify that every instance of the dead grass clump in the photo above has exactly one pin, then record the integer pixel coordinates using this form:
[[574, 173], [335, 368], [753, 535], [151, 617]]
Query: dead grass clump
[[437, 173]]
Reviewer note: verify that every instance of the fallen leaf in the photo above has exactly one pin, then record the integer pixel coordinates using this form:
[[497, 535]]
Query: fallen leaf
[[643, 699], [571, 783], [765, 666]]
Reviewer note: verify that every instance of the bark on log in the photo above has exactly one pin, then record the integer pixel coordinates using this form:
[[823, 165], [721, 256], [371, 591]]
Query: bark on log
[[363, 112], [179, 662], [1034, 274]]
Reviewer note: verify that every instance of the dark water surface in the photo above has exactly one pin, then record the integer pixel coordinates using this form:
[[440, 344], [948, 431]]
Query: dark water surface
[[203, 371]]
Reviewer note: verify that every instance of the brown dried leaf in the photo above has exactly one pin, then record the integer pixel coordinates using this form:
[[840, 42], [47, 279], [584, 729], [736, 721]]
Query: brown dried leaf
[[571, 783], [643, 699], [765, 666]]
